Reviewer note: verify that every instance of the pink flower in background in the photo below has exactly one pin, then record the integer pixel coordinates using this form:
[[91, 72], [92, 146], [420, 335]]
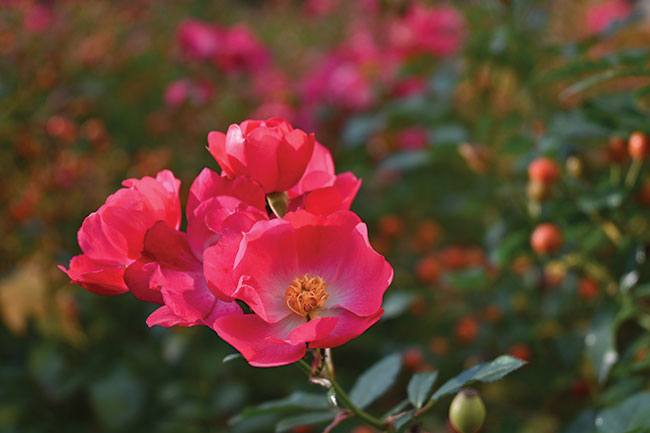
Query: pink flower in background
[[309, 279], [319, 8], [271, 152], [38, 18], [240, 51], [601, 15], [113, 237], [438, 30], [183, 90], [412, 138], [342, 78], [199, 40]]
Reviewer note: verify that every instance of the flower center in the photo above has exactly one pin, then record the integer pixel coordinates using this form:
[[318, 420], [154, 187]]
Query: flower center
[[305, 294]]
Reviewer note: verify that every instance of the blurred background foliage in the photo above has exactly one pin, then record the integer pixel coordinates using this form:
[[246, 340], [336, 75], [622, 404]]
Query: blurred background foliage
[[439, 106]]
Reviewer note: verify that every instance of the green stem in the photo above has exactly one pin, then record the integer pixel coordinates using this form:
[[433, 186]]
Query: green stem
[[344, 399]]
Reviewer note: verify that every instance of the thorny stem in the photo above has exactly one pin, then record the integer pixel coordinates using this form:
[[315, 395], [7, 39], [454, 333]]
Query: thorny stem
[[341, 396]]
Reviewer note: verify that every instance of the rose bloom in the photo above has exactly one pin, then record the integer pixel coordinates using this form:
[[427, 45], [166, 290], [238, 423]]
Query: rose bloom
[[320, 190], [269, 151], [113, 237], [219, 210], [309, 280]]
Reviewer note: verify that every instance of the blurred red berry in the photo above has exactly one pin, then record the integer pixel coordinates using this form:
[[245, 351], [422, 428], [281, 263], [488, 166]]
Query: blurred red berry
[[439, 346], [580, 389], [588, 288], [302, 429], [61, 128], [521, 351], [637, 145], [428, 270], [453, 258], [546, 239], [616, 150], [493, 313], [391, 225], [466, 329], [419, 306], [413, 358], [543, 170], [427, 235]]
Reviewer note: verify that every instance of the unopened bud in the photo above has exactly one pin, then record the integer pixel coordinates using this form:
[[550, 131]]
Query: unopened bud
[[467, 411]]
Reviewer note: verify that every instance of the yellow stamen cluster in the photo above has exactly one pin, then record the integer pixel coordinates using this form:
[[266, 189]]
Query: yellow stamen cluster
[[305, 294]]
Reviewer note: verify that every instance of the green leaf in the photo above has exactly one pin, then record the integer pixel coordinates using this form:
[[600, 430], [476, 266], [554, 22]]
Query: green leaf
[[395, 304], [483, 372], [593, 80], [309, 418], [375, 381], [118, 399], [631, 415], [296, 401], [600, 345], [420, 386]]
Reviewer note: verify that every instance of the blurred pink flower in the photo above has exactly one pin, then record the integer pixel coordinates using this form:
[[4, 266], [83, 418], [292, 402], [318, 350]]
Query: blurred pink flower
[[346, 76], [438, 30], [199, 40], [412, 138], [241, 51], [183, 90], [601, 15], [38, 18], [319, 8]]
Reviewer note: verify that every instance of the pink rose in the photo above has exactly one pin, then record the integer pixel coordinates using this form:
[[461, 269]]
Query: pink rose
[[113, 237], [320, 190], [199, 40], [219, 210], [270, 152], [308, 279]]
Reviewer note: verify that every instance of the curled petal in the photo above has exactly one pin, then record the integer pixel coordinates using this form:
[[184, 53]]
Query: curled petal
[[263, 344]]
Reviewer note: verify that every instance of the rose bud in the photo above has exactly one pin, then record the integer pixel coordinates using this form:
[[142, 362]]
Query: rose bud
[[271, 152], [546, 239], [467, 411]]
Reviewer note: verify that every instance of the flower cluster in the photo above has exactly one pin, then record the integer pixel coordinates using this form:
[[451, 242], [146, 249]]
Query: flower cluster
[[268, 283]]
